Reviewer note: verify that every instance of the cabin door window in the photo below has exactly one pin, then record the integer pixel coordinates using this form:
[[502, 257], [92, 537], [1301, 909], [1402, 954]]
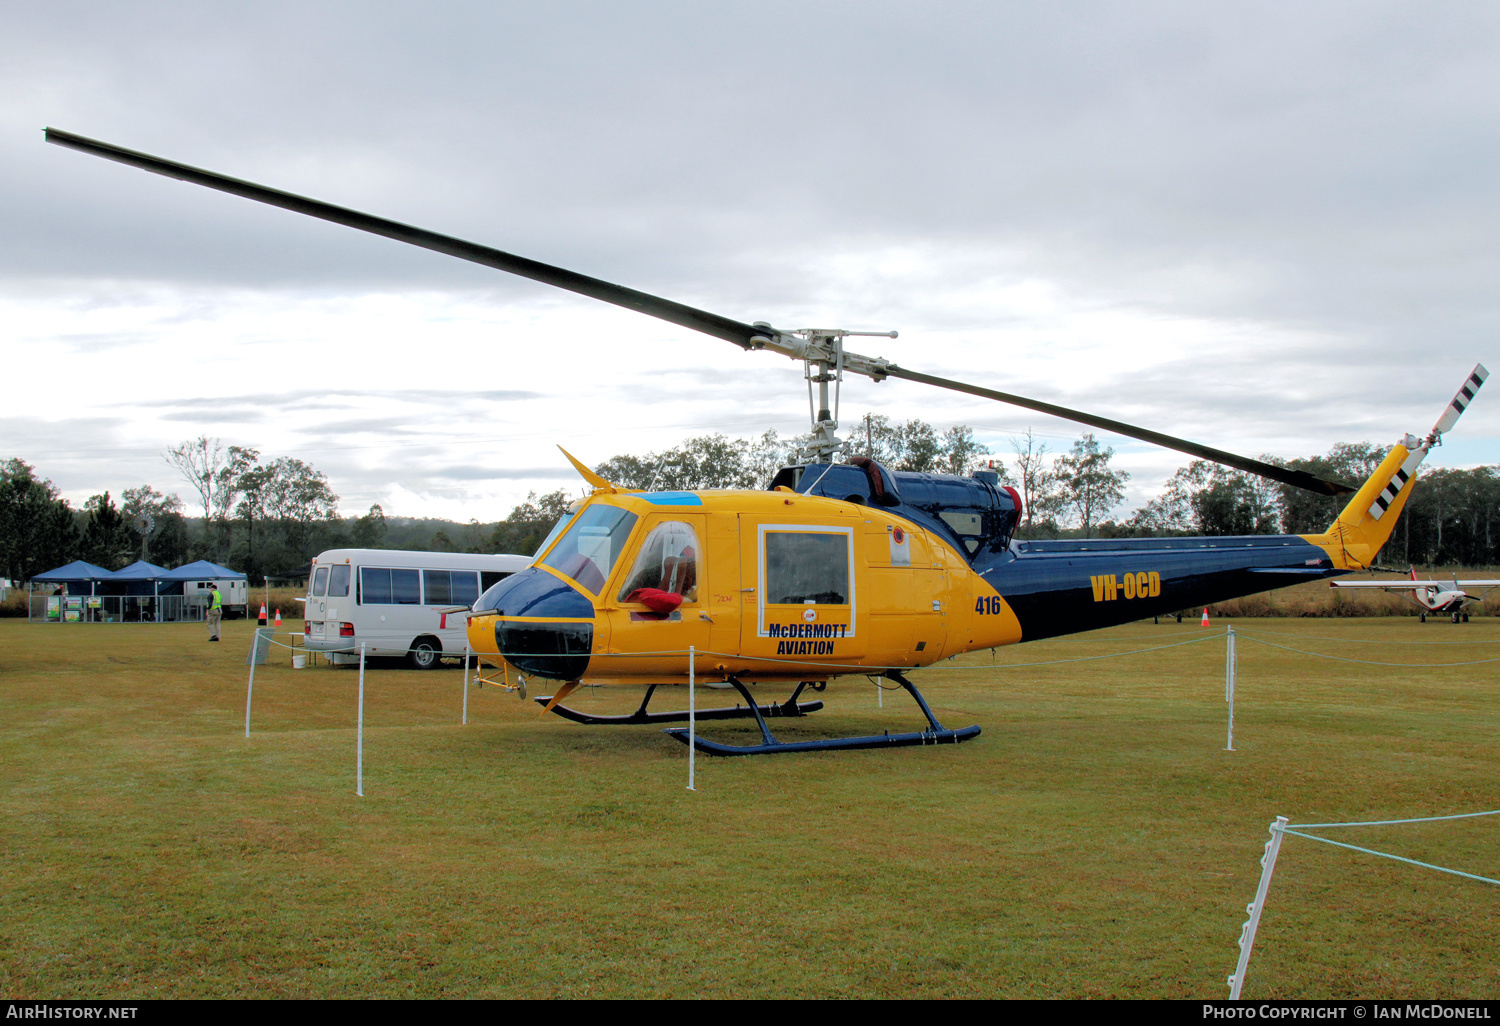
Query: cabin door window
[[806, 589]]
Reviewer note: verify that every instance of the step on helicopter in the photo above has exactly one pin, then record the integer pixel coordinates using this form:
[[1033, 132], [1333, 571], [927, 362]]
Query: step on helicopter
[[839, 567]]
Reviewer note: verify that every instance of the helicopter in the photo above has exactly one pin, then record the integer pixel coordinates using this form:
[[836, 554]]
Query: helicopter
[[840, 566]]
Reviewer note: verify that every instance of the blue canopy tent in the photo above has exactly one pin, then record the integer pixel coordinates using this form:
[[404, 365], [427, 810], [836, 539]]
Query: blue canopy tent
[[202, 569], [76, 572], [140, 593], [136, 589], [195, 581], [63, 594], [139, 578]]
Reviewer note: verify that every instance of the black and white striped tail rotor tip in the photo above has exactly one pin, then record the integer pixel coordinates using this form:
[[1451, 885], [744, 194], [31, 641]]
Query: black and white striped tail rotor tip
[[1420, 448], [1460, 403]]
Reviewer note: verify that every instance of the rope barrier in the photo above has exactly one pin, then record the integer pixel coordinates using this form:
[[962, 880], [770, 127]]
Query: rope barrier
[[865, 669], [1397, 858], [1393, 822], [1367, 662], [1375, 641], [1268, 867]]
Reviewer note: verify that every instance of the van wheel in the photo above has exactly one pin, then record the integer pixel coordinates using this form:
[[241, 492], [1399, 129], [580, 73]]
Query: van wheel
[[425, 653]]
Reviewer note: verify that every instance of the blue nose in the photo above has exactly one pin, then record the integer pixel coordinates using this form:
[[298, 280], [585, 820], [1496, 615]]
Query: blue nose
[[524, 603]]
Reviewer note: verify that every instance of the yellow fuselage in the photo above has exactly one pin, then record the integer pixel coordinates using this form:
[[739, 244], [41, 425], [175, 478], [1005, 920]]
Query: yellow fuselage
[[912, 599]]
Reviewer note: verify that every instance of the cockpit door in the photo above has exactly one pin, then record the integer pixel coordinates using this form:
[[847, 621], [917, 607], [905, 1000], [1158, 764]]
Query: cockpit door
[[666, 558]]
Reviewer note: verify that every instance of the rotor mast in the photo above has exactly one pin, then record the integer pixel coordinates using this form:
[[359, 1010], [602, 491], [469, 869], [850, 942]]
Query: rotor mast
[[824, 361]]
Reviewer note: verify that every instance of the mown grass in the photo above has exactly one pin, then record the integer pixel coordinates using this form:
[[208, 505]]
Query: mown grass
[[1096, 841]]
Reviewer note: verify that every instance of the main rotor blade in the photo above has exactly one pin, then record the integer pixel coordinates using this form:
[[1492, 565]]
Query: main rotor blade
[[1296, 478], [725, 328], [677, 313]]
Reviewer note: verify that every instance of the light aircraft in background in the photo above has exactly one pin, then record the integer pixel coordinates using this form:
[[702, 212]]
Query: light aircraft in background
[[1432, 596], [839, 567]]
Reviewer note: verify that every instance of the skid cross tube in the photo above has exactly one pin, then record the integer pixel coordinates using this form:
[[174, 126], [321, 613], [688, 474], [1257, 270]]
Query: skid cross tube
[[937, 735], [681, 716]]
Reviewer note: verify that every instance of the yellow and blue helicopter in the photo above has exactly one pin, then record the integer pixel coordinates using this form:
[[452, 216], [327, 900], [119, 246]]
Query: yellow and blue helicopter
[[838, 567]]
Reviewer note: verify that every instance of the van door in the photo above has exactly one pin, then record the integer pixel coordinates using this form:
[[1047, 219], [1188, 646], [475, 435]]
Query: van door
[[317, 605], [338, 604]]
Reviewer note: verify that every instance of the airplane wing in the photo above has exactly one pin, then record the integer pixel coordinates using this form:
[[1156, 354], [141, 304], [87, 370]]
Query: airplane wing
[[1411, 585]]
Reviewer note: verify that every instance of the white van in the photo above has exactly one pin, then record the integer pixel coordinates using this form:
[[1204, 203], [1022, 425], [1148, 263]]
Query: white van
[[390, 601]]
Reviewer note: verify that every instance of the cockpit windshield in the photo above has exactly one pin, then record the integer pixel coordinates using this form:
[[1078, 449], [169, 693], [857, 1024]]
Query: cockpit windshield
[[588, 549], [557, 529]]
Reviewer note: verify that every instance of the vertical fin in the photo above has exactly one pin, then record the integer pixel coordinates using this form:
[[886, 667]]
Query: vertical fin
[[1366, 523]]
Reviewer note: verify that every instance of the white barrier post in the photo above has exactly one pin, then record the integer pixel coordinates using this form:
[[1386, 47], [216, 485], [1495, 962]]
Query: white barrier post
[[466, 683], [249, 690], [1247, 932], [359, 735], [1229, 686], [692, 718]]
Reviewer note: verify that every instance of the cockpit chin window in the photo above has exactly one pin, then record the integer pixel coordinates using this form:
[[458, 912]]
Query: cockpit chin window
[[668, 562], [589, 548]]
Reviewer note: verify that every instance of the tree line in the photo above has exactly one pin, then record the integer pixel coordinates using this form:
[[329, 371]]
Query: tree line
[[257, 517], [272, 517], [1453, 516]]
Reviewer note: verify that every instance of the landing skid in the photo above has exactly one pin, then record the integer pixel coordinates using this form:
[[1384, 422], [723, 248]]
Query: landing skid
[[938, 735], [738, 712]]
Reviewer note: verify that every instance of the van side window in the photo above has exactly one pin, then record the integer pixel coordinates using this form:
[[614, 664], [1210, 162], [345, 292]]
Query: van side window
[[489, 578], [338, 581], [465, 587], [449, 587], [320, 582], [374, 586], [406, 587], [381, 587], [438, 586]]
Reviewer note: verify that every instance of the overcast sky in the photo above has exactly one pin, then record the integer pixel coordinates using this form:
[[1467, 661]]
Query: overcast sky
[[1269, 228]]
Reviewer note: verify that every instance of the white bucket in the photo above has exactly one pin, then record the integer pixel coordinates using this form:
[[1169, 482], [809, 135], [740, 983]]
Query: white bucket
[[298, 660]]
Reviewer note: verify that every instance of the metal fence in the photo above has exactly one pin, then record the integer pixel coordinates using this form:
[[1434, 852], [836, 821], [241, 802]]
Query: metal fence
[[44, 608]]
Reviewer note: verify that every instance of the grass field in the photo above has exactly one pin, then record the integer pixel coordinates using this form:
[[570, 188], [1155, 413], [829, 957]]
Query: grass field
[[1096, 841]]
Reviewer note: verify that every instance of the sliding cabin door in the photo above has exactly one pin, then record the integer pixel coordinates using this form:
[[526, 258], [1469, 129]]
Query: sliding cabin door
[[800, 607]]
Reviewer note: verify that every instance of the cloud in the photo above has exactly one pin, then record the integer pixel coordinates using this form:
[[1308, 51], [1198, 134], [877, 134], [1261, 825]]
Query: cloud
[[1257, 227]]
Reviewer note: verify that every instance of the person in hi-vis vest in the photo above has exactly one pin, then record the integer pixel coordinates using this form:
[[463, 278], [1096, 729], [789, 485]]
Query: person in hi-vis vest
[[215, 610]]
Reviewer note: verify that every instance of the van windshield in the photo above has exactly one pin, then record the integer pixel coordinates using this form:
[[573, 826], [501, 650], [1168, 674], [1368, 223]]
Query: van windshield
[[588, 550]]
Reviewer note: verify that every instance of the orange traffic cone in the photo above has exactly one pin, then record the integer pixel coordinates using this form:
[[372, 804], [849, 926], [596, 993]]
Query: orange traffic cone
[[262, 614], [278, 618], [1205, 616]]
